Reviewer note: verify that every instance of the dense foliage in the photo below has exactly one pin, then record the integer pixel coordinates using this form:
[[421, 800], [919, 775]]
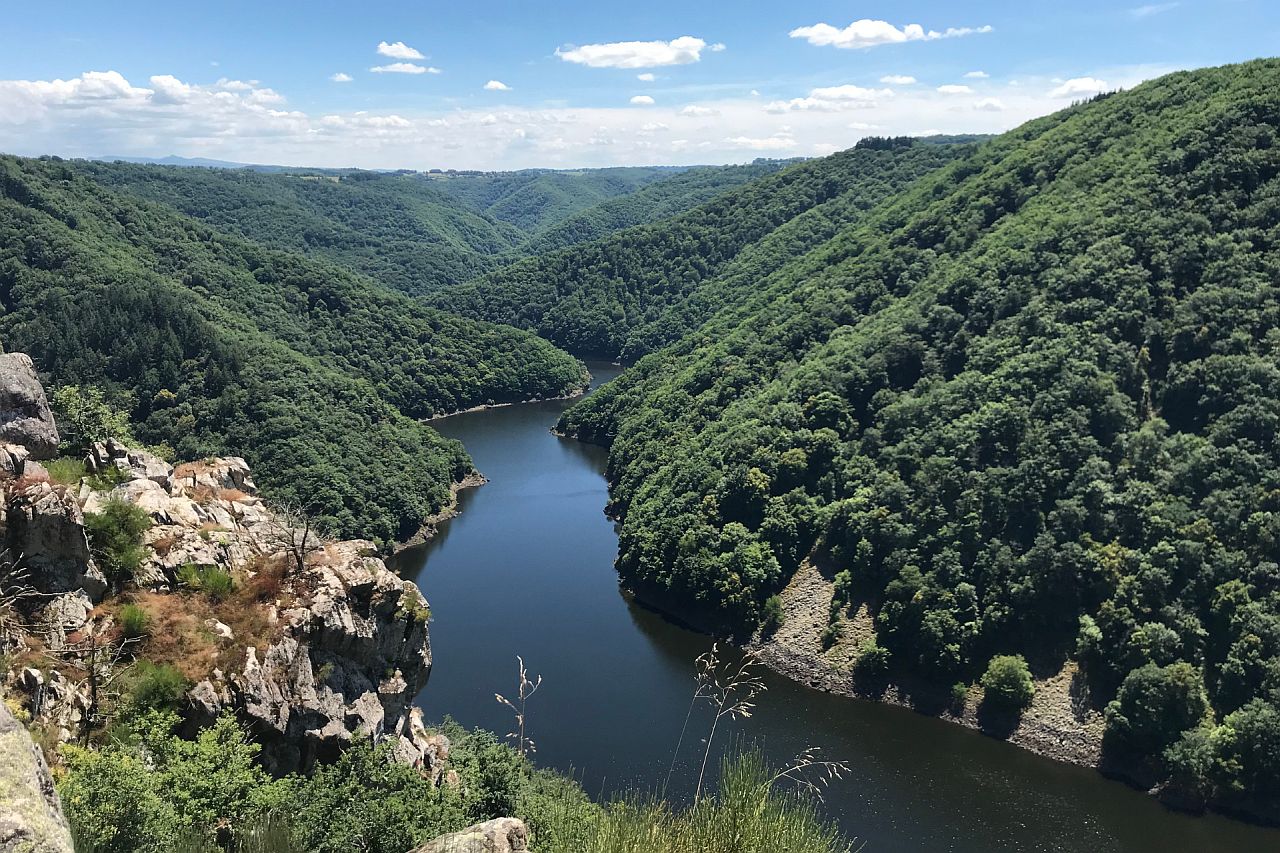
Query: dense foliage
[[150, 791], [215, 345], [396, 228], [1030, 405], [630, 293]]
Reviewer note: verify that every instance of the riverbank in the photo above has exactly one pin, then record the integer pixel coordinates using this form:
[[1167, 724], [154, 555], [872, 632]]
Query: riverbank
[[573, 395], [431, 524]]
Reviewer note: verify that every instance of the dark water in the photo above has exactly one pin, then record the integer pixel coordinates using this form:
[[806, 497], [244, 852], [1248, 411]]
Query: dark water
[[527, 569]]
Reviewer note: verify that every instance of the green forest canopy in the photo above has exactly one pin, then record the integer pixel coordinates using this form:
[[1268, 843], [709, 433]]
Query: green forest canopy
[[216, 345], [1029, 405]]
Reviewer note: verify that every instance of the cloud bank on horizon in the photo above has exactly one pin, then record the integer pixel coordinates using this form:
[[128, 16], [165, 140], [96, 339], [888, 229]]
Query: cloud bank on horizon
[[782, 92]]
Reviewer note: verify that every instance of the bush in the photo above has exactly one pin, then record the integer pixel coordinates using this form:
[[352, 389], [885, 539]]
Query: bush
[[959, 694], [1155, 705], [873, 659], [771, 616], [115, 536], [84, 416], [66, 471], [830, 635], [134, 621], [209, 580], [1007, 682], [156, 686]]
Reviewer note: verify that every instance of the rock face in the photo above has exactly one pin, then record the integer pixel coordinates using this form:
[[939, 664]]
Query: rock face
[[25, 418], [503, 835], [31, 819]]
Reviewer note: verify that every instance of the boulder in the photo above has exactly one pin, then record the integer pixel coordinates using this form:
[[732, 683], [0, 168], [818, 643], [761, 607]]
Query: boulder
[[31, 819], [501, 835], [25, 417]]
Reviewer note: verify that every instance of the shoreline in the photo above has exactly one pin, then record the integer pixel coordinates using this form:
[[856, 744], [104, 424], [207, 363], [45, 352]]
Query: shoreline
[[430, 525], [573, 395]]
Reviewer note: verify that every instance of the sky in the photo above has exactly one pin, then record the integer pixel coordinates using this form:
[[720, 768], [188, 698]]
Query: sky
[[572, 83]]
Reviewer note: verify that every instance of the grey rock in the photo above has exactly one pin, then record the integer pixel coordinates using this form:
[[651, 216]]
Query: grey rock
[[25, 417], [13, 460], [31, 819], [501, 835], [46, 527]]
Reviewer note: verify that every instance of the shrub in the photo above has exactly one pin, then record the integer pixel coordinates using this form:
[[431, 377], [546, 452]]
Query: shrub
[[212, 581], [156, 686], [771, 617], [959, 694], [66, 471], [873, 659], [1155, 705], [830, 635], [1007, 682], [134, 621], [115, 535], [84, 417]]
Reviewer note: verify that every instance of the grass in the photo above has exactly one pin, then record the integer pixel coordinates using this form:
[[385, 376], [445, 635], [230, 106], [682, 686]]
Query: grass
[[66, 471], [751, 813]]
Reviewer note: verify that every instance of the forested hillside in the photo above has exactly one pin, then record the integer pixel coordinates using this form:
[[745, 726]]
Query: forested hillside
[[659, 200], [1027, 407], [216, 345], [636, 290], [536, 199], [397, 228]]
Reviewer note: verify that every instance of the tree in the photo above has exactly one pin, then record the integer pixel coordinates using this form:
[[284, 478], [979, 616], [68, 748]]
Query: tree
[[85, 417], [1007, 682], [1155, 705], [115, 538]]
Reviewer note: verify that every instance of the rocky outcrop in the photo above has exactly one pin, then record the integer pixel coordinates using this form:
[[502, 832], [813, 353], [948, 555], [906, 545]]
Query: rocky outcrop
[[503, 835], [350, 652], [31, 819], [25, 417]]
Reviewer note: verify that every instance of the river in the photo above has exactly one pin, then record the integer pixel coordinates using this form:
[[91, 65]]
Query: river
[[527, 569]]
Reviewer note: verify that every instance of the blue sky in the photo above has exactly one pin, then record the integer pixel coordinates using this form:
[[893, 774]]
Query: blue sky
[[722, 82]]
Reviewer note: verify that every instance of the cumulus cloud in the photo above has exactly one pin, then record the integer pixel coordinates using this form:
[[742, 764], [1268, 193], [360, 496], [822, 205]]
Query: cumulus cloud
[[1080, 86], [341, 78], [496, 86], [832, 99], [898, 79], [954, 89], [867, 33], [642, 101], [246, 121], [977, 75], [778, 142], [399, 50], [637, 54], [647, 77], [404, 68]]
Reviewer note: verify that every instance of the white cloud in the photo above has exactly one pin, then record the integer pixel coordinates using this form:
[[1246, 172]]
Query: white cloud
[[399, 50], [637, 54], [832, 99], [646, 77], [755, 93], [954, 89], [341, 78], [1150, 9], [977, 75], [404, 68], [1080, 86], [991, 105], [642, 101], [898, 79], [496, 86], [781, 142], [247, 121], [871, 33]]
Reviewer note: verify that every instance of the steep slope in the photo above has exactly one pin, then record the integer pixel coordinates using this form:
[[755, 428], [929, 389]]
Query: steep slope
[[659, 200], [397, 228], [641, 288], [536, 199], [216, 345], [1029, 406]]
